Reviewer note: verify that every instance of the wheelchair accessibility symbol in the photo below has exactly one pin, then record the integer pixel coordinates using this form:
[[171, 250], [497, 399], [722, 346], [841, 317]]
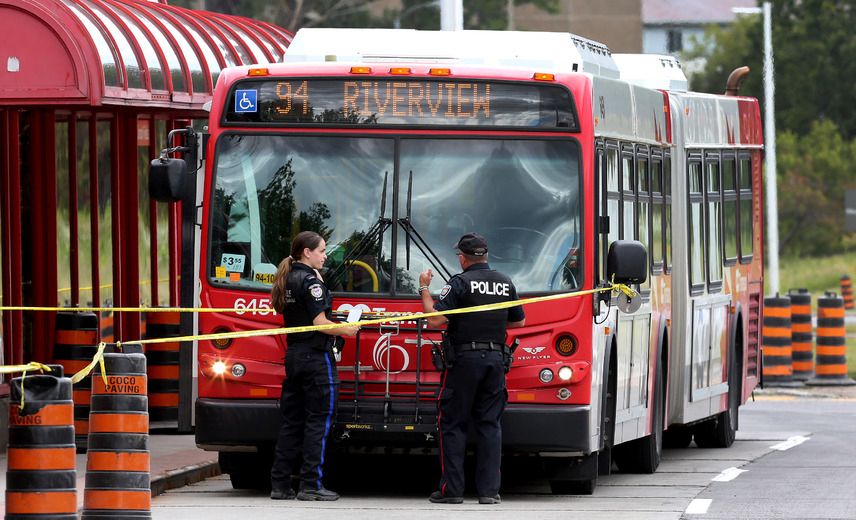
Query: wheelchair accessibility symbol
[[245, 100]]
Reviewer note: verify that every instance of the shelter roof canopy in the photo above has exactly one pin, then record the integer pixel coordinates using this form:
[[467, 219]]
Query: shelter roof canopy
[[125, 51]]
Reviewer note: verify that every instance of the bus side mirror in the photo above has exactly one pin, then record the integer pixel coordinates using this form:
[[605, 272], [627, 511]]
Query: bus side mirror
[[627, 262], [167, 179]]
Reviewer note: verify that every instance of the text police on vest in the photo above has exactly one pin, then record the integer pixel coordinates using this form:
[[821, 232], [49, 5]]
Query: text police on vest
[[491, 288]]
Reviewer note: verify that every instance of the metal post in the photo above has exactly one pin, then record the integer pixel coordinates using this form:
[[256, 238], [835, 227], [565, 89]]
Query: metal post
[[452, 15], [770, 145]]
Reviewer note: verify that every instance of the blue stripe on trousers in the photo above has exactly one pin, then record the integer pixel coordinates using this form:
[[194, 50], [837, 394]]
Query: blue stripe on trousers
[[329, 419]]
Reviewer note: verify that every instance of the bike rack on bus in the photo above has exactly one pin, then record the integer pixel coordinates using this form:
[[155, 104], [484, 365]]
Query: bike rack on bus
[[389, 411]]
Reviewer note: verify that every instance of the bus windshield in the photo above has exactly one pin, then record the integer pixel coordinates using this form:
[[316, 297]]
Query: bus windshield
[[522, 194]]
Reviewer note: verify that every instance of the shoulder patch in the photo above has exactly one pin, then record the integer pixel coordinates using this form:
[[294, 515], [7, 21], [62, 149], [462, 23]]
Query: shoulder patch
[[316, 291], [445, 291]]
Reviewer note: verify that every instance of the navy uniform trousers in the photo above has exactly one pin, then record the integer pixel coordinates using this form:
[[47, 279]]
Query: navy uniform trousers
[[473, 391], [308, 407]]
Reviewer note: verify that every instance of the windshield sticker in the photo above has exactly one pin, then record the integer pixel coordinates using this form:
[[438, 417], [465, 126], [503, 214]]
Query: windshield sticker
[[219, 272], [235, 276], [233, 262], [264, 273]]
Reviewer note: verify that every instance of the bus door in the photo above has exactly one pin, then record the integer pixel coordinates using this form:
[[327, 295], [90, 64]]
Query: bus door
[[626, 176], [710, 305]]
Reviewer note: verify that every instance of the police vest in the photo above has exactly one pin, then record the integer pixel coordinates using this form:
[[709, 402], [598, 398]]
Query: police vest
[[481, 287], [295, 312]]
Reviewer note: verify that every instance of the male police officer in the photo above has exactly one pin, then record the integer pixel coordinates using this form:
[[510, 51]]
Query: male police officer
[[474, 386]]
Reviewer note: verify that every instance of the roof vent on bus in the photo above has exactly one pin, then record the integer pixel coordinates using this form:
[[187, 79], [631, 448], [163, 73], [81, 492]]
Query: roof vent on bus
[[658, 71], [506, 49]]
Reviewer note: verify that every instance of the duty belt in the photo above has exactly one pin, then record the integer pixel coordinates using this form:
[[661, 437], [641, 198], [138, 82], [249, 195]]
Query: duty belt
[[479, 345]]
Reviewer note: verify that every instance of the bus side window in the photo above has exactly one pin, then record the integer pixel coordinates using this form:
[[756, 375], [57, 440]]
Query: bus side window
[[745, 204], [730, 233], [695, 197], [713, 210], [628, 197], [667, 217], [612, 200], [656, 250], [643, 206]]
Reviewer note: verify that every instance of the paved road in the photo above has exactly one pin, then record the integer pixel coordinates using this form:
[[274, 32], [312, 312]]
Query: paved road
[[798, 457], [811, 478]]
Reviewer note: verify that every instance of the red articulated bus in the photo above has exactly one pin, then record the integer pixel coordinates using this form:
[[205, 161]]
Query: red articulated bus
[[393, 143]]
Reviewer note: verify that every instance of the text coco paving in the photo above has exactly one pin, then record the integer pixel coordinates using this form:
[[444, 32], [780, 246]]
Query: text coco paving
[[401, 99], [124, 385]]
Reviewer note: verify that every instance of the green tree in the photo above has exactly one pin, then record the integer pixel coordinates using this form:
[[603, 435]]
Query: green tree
[[813, 172], [813, 45]]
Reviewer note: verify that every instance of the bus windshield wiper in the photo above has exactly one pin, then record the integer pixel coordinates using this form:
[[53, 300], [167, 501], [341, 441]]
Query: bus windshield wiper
[[375, 232], [411, 234]]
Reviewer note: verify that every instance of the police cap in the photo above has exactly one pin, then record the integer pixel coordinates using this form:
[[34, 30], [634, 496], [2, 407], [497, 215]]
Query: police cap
[[472, 244]]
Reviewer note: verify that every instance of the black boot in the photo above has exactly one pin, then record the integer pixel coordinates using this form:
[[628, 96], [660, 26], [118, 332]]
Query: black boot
[[322, 494], [282, 494], [438, 498]]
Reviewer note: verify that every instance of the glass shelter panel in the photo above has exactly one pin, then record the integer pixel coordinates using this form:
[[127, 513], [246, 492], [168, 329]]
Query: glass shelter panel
[[112, 74]]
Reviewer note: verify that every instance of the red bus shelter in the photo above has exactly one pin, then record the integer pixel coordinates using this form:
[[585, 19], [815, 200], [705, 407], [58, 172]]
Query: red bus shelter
[[89, 90]]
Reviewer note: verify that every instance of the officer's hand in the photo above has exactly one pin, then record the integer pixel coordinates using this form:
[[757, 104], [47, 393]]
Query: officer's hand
[[425, 277], [350, 331]]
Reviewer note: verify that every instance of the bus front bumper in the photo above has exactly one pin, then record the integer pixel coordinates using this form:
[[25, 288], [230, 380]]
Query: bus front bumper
[[224, 424]]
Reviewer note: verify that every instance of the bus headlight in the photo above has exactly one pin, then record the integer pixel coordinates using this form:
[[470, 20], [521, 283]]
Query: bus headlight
[[238, 370], [546, 375], [566, 373], [219, 368]]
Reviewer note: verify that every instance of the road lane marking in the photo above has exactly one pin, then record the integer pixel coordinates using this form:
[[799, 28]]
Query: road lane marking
[[728, 474], [698, 506], [790, 443]]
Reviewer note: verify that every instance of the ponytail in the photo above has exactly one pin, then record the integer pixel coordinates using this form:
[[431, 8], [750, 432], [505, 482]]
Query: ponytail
[[277, 293], [303, 240]]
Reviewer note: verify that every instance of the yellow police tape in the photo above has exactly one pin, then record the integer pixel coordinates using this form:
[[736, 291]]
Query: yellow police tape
[[98, 358], [386, 319], [33, 366]]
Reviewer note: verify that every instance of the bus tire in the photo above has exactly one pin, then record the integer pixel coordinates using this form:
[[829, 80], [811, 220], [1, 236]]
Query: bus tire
[[571, 476], [247, 470], [643, 455], [677, 437], [573, 487]]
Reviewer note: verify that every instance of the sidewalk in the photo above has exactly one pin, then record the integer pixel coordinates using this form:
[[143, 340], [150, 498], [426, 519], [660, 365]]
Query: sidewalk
[[175, 462]]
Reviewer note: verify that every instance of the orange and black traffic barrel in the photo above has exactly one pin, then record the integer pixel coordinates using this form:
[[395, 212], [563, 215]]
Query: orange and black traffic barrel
[[75, 345], [801, 336], [831, 341], [163, 365], [776, 344], [41, 480], [118, 461], [847, 291]]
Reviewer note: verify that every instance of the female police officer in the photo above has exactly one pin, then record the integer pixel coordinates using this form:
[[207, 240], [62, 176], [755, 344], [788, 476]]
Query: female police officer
[[309, 395], [474, 387]]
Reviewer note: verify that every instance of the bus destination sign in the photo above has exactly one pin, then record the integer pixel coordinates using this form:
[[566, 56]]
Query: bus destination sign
[[410, 102]]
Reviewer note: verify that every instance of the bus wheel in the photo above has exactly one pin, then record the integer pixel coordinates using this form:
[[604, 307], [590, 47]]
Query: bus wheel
[[643, 455], [571, 476], [247, 470], [677, 437], [573, 487]]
